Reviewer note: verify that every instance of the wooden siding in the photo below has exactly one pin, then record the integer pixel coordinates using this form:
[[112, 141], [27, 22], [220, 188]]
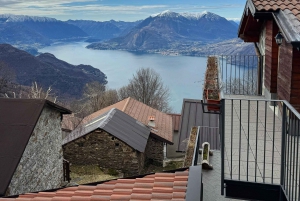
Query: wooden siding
[[285, 71], [295, 83], [271, 59]]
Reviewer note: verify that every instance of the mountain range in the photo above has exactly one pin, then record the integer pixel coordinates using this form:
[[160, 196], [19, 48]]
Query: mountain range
[[66, 79], [169, 30], [160, 33], [99, 31]]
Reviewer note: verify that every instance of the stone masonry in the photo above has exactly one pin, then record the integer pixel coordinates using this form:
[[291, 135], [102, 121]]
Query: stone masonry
[[155, 151], [41, 165], [105, 150]]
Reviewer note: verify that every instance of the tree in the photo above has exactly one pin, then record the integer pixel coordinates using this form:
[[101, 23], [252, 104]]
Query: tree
[[99, 96], [6, 77], [147, 87]]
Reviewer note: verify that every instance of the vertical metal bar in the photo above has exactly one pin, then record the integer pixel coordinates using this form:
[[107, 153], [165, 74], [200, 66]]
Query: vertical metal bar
[[239, 74], [248, 140], [298, 133], [283, 140], [257, 105], [226, 77], [294, 154], [265, 133], [230, 73], [231, 139], [273, 139], [240, 139], [252, 72], [288, 151], [244, 74], [291, 147], [248, 87], [235, 70], [222, 143]]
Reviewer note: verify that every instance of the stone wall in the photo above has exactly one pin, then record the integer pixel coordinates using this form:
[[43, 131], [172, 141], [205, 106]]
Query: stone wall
[[41, 165], [155, 150], [105, 150]]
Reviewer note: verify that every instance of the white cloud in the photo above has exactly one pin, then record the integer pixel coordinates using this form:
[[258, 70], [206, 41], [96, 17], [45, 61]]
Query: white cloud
[[92, 9]]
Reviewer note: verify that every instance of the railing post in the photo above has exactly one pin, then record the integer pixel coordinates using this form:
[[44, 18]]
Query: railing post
[[283, 142], [222, 135]]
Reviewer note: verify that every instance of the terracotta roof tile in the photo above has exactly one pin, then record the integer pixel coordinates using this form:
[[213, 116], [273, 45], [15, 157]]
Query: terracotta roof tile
[[158, 186], [271, 5]]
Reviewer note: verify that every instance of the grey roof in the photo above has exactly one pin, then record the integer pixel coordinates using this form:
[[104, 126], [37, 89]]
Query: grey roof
[[118, 124], [192, 115], [289, 25], [18, 118]]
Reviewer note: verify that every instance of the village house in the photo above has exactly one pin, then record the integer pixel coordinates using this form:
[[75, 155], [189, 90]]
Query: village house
[[123, 136], [30, 145], [274, 28]]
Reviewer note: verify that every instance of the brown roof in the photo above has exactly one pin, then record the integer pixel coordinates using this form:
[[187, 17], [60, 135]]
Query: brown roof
[[70, 122], [175, 121], [141, 112], [18, 118], [271, 5], [158, 186]]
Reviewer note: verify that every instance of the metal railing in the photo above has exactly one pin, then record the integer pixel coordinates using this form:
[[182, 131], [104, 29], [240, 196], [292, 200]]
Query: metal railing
[[260, 145], [241, 74], [66, 170]]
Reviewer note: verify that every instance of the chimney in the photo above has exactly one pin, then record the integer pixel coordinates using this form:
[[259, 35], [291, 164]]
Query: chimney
[[151, 122]]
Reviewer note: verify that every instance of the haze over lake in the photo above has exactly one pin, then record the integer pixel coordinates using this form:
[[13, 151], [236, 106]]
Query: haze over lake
[[182, 74]]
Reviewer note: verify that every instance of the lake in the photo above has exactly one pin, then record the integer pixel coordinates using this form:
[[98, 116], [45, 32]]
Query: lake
[[182, 74]]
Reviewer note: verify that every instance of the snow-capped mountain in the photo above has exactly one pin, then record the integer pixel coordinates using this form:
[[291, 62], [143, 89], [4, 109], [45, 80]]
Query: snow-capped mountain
[[190, 16], [25, 18], [37, 31], [166, 29]]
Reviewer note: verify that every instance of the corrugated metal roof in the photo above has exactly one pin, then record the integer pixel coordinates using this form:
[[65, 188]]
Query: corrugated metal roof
[[18, 118], [140, 111], [289, 24], [118, 124], [192, 115]]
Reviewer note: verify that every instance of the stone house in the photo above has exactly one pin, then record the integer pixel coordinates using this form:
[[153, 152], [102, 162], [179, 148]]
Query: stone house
[[128, 144], [262, 21], [30, 145]]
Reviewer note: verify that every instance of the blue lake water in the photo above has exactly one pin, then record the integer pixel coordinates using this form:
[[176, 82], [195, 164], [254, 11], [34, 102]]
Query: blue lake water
[[182, 74]]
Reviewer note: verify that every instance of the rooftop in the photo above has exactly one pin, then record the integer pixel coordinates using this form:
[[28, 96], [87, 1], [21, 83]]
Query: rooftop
[[141, 112], [21, 116], [158, 186], [118, 124]]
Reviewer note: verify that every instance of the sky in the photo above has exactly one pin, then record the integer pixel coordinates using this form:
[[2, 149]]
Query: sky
[[125, 10]]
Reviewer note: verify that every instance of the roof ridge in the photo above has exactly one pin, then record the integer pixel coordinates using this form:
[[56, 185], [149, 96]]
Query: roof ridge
[[125, 106]]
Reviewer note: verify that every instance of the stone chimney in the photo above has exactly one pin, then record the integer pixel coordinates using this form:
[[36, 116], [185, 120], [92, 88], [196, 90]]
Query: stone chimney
[[151, 122]]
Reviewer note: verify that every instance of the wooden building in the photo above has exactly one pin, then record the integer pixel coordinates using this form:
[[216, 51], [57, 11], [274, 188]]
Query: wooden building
[[262, 20]]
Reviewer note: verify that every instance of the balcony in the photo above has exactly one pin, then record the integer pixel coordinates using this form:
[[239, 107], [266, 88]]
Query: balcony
[[259, 138]]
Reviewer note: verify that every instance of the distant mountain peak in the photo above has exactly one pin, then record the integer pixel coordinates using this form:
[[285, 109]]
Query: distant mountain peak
[[26, 18], [190, 16], [167, 13]]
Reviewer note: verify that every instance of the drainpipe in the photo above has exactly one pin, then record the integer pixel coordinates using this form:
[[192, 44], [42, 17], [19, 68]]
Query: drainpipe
[[259, 70]]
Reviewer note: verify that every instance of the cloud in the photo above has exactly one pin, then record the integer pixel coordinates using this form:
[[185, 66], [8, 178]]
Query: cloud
[[95, 8]]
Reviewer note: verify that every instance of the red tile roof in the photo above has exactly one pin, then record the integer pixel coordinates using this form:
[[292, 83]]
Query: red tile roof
[[158, 186], [141, 112], [271, 5]]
